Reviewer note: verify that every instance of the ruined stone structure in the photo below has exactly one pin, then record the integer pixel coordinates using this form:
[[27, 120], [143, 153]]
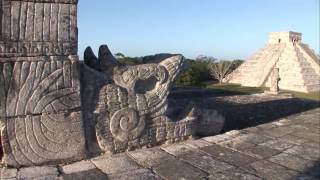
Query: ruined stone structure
[[55, 109], [299, 66]]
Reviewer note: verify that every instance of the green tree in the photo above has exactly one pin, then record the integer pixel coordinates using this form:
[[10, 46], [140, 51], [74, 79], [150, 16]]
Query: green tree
[[190, 77], [130, 61], [195, 73], [119, 55]]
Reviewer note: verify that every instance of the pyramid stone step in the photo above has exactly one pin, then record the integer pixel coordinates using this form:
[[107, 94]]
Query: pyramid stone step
[[297, 70]]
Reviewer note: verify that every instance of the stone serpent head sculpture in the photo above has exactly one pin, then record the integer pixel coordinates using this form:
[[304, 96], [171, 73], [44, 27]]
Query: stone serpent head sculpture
[[132, 104]]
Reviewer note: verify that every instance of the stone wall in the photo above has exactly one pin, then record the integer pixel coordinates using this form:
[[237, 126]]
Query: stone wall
[[37, 27], [40, 103]]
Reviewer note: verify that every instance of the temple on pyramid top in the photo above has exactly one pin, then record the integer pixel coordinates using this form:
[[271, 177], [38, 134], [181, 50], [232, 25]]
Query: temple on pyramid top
[[298, 64], [284, 37]]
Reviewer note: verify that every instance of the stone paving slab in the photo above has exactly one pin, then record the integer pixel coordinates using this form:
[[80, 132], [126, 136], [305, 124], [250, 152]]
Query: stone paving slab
[[294, 140], [269, 170], [115, 164], [197, 143], [150, 157], [179, 149], [228, 155], [140, 174], [80, 166], [175, 169], [8, 173], [40, 171], [261, 152], [205, 162], [95, 174], [292, 162], [278, 144], [304, 151], [285, 149], [234, 174]]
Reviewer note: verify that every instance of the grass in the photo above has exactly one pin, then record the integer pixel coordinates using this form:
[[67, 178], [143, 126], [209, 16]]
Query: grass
[[253, 90], [312, 95], [235, 88]]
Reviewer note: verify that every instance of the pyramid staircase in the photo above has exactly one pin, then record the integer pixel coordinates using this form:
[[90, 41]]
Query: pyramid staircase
[[310, 52], [299, 66], [298, 74], [254, 67]]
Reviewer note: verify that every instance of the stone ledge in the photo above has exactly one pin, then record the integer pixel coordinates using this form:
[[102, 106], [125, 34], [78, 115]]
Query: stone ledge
[[195, 159]]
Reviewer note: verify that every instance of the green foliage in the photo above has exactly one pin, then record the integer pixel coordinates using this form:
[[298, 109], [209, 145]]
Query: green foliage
[[189, 77], [197, 71], [130, 61], [236, 88], [195, 74], [119, 55]]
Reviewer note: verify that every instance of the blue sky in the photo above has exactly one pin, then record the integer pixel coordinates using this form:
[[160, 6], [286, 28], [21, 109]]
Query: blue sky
[[226, 29]]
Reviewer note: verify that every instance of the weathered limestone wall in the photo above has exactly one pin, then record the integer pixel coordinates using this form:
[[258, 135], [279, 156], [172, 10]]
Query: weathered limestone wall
[[37, 27], [39, 83]]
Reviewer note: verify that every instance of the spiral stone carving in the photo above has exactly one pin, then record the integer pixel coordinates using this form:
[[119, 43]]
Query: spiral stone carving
[[132, 105], [126, 125]]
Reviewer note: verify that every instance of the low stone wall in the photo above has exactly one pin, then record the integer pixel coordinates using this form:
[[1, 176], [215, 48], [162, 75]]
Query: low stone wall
[[287, 148]]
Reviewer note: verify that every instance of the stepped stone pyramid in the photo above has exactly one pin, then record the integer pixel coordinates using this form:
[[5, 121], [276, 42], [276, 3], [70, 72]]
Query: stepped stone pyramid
[[299, 66]]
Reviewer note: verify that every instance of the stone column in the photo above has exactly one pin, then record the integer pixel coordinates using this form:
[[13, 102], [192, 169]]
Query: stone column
[[274, 87], [39, 83]]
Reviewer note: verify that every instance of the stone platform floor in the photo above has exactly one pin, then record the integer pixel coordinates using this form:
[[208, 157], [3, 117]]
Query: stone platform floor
[[288, 148]]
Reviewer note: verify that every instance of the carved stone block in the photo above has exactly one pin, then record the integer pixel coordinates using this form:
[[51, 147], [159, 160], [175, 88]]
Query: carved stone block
[[131, 105], [42, 139], [34, 28], [40, 105], [32, 88]]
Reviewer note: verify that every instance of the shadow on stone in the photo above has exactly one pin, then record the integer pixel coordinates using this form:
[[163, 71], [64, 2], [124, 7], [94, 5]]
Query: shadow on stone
[[193, 92], [92, 82], [248, 115], [241, 110], [90, 174], [313, 172]]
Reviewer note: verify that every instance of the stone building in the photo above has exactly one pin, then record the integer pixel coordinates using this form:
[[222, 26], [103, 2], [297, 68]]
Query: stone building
[[299, 66]]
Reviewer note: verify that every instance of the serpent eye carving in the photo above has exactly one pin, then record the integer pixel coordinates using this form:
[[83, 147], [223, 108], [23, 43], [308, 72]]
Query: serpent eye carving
[[148, 84]]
